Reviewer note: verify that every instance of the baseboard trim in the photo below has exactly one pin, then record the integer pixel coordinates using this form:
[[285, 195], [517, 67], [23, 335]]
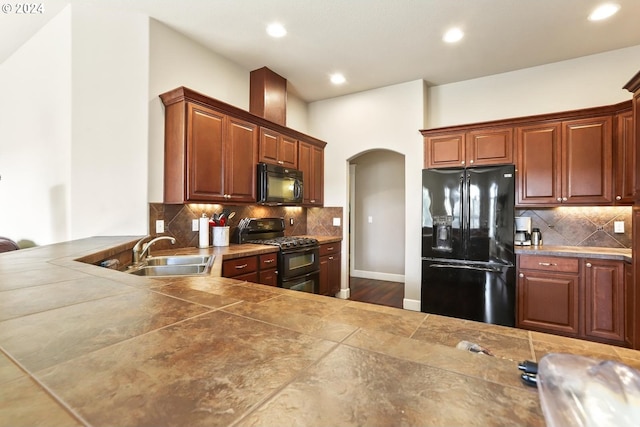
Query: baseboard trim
[[344, 293], [378, 276], [411, 304]]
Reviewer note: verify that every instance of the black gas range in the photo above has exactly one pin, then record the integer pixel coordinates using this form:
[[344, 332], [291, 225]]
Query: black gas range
[[298, 258]]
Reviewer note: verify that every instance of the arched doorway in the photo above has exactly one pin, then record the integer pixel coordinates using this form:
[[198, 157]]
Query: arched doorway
[[377, 224]]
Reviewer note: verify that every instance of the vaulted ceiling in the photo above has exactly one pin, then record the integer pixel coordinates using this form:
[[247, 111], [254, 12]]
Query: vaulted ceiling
[[374, 43]]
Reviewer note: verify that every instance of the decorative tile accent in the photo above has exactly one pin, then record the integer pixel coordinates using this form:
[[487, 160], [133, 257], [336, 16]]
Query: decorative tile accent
[[582, 226]]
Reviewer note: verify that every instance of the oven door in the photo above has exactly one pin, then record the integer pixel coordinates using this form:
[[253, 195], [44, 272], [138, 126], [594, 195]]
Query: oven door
[[307, 283], [298, 262]]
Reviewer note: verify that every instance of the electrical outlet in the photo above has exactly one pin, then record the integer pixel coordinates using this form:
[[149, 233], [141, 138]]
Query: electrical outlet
[[336, 222], [618, 226], [290, 221], [195, 225], [159, 226]]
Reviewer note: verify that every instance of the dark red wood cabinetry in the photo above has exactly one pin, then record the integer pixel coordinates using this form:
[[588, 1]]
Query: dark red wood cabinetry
[[583, 298], [212, 149], [330, 267], [311, 163], [278, 149]]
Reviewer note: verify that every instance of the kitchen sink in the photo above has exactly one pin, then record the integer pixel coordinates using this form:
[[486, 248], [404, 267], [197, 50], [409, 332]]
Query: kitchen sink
[[178, 260], [174, 265]]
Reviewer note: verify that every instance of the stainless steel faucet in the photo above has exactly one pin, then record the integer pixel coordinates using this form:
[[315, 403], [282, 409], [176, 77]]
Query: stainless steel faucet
[[146, 248]]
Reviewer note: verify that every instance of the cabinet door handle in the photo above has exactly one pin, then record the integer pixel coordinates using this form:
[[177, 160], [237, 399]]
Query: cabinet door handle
[[462, 162], [521, 275], [240, 267], [547, 264], [470, 161], [618, 197], [559, 199], [589, 264], [331, 257], [564, 199]]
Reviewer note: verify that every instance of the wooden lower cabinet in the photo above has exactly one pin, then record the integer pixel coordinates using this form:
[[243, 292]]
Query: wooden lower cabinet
[[604, 299], [577, 297], [548, 297], [629, 295], [330, 254], [256, 268]]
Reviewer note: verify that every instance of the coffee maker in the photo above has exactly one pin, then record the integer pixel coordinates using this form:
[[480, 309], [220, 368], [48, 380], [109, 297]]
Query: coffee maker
[[523, 231]]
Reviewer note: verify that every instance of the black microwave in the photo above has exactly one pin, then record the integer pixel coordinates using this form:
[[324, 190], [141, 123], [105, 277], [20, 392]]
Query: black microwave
[[278, 185]]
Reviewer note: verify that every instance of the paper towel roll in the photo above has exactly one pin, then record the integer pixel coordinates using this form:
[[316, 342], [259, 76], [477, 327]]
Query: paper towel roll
[[203, 240]]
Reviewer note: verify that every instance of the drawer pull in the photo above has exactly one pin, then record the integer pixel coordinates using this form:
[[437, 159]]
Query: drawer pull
[[521, 275], [240, 267], [269, 261], [547, 264], [330, 249]]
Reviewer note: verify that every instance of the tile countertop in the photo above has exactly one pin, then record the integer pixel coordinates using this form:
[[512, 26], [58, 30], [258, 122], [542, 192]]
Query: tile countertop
[[85, 345], [576, 252]]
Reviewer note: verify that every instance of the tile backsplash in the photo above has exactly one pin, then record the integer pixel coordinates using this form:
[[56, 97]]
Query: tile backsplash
[[178, 219], [581, 226]]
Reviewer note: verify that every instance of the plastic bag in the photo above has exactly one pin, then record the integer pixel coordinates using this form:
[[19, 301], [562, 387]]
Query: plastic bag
[[581, 391]]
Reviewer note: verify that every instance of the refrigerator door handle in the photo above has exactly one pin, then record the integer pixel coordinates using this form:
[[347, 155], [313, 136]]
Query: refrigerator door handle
[[467, 267]]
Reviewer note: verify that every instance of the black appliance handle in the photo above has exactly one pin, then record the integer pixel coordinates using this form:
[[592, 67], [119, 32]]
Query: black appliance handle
[[295, 250], [463, 210], [467, 267], [297, 189]]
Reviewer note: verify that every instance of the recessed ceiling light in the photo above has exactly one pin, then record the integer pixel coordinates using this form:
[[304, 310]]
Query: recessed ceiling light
[[453, 35], [276, 30], [337, 79], [604, 11]]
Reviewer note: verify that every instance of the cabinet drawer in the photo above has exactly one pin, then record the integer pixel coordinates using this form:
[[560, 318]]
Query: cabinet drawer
[[549, 263], [268, 261], [235, 267], [329, 248]]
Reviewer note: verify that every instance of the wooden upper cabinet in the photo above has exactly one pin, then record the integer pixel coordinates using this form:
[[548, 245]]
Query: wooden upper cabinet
[[311, 163], [489, 147], [624, 158], [209, 156], [205, 154], [278, 149], [563, 163], [475, 148], [444, 151], [587, 161], [241, 158], [538, 165]]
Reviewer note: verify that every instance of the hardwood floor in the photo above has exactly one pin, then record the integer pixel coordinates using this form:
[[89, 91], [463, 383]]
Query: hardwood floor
[[377, 291]]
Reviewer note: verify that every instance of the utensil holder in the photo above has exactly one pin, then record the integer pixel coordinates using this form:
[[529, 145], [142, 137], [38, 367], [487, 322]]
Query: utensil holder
[[220, 236]]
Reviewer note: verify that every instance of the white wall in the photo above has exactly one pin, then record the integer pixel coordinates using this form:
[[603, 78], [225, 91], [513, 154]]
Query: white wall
[[584, 82], [110, 66], [35, 136], [384, 118]]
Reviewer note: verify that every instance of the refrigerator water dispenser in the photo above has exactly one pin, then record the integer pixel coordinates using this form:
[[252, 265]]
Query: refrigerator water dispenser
[[442, 230]]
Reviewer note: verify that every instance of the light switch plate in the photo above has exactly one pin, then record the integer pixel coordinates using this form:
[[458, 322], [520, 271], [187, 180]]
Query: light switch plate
[[370, 220], [195, 226], [336, 222], [618, 226], [160, 226]]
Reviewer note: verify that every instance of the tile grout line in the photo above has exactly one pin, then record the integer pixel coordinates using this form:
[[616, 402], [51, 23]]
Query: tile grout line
[[259, 404], [45, 388]]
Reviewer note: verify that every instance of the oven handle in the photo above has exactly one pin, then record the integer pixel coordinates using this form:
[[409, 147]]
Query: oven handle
[[296, 251]]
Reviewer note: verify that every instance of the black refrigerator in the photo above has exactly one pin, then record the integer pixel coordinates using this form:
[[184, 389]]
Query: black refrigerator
[[468, 259]]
